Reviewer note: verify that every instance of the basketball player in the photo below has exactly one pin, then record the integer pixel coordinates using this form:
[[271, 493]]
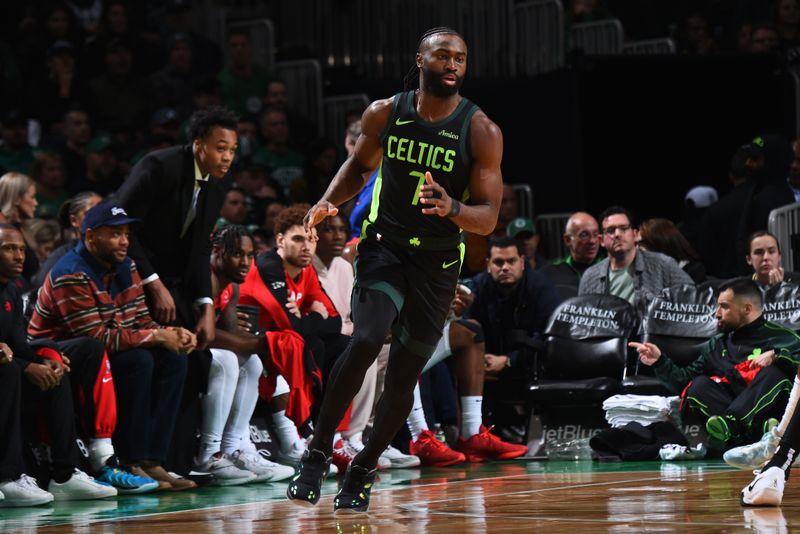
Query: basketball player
[[439, 158]]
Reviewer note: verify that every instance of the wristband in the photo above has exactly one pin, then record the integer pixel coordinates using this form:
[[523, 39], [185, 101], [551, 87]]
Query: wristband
[[455, 208]]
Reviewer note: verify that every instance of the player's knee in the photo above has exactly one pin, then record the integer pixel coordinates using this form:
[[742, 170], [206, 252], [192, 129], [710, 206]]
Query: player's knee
[[253, 366], [368, 342], [466, 331]]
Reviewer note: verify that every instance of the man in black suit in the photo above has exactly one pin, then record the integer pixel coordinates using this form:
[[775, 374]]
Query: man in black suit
[[169, 191]]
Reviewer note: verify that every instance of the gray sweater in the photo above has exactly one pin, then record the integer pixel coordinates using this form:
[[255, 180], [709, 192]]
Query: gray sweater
[[653, 272]]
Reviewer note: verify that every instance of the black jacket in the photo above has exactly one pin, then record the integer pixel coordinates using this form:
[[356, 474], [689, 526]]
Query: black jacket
[[504, 318], [159, 193]]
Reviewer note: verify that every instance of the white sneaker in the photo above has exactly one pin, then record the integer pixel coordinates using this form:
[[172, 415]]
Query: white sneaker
[[766, 489], [398, 460], [292, 454], [23, 492], [79, 487], [765, 521], [265, 470], [225, 472], [358, 446], [756, 454]]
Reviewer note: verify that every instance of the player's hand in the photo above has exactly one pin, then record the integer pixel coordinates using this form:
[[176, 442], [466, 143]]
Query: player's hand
[[493, 364], [648, 353], [161, 302], [318, 213], [204, 330], [186, 339], [318, 307], [435, 197], [291, 305], [763, 360], [7, 355], [776, 276], [42, 375]]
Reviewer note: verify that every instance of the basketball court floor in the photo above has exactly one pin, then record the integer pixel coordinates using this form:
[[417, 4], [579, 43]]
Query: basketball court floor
[[516, 496]]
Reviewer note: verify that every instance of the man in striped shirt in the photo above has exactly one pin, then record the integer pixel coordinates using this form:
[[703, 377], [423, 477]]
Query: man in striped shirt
[[95, 290]]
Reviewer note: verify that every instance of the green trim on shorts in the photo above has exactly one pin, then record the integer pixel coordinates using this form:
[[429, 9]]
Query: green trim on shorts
[[384, 287], [417, 347]]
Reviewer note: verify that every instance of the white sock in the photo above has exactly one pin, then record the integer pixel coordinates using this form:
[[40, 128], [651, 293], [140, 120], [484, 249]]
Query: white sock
[[794, 396], [100, 450], [207, 450], [416, 419], [471, 417], [285, 429]]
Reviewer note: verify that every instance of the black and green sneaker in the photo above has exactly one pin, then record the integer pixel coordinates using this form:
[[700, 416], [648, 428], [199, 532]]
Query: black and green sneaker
[[306, 486], [354, 495], [720, 427]]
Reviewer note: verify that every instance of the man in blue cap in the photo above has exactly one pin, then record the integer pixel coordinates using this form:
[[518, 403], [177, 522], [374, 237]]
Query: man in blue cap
[[95, 290]]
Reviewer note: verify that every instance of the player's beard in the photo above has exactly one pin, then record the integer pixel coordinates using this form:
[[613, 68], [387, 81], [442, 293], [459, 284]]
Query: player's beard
[[433, 83]]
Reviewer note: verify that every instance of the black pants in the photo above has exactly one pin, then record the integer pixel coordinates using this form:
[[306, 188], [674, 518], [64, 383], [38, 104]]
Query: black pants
[[55, 405], [148, 384], [763, 398], [11, 462], [85, 355]]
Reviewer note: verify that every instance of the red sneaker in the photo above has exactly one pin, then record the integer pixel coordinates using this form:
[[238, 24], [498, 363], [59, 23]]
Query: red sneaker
[[342, 455], [431, 451], [486, 446]]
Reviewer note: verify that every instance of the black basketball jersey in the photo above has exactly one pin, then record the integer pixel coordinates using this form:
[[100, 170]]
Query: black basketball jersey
[[412, 146]]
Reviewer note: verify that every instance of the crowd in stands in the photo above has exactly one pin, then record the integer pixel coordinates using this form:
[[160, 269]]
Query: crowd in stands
[[93, 354]]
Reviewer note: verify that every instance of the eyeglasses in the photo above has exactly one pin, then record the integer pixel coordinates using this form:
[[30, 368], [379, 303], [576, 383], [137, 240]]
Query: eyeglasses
[[587, 235], [611, 230]]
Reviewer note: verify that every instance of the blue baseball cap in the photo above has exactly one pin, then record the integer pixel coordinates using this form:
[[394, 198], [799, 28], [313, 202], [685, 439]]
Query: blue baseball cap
[[105, 214]]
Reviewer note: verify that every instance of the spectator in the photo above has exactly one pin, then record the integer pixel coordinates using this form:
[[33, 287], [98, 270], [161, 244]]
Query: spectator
[[512, 304], [661, 235], [251, 177], [95, 290], [234, 208], [764, 256], [16, 155], [524, 231], [63, 86], [771, 190], [70, 216], [765, 39], [742, 377], [55, 23], [719, 239], [694, 36], [363, 200], [787, 23], [179, 19], [44, 234], [632, 274], [319, 171], [794, 170], [243, 81], [582, 239], [102, 174], [744, 37], [225, 447], [271, 215], [165, 125], [284, 163], [122, 99], [45, 381], [696, 203], [248, 136], [302, 129], [77, 134], [18, 204], [48, 173], [173, 83]]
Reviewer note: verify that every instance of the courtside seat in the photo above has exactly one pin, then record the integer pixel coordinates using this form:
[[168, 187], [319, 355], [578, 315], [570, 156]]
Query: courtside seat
[[584, 357], [680, 322]]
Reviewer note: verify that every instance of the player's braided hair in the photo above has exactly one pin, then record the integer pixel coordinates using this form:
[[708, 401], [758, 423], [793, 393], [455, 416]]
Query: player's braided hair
[[227, 238], [413, 73]]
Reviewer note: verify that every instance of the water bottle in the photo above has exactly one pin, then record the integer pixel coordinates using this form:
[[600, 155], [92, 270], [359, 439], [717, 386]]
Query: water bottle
[[573, 449]]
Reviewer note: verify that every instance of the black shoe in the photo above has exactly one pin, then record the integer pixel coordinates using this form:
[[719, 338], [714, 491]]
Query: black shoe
[[306, 485], [354, 495]]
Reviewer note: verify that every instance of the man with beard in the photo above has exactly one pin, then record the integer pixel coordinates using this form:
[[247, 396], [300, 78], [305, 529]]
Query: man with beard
[[410, 252], [743, 375], [629, 273], [225, 447]]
